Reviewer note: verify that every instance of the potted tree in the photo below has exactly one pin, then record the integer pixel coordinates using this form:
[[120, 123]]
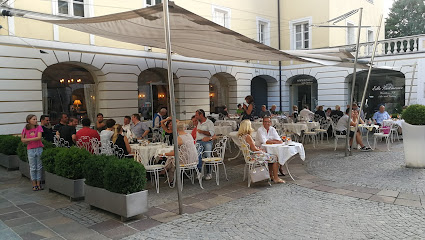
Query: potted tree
[[8, 146], [414, 136], [24, 167], [116, 185], [67, 164]]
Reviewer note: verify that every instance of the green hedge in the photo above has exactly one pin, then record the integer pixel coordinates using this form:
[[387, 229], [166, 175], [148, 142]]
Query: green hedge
[[124, 176], [22, 149], [69, 162], [94, 169], [48, 157], [9, 144], [414, 114]]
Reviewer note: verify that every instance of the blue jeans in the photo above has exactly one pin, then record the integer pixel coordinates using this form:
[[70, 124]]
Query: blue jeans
[[207, 146], [34, 160]]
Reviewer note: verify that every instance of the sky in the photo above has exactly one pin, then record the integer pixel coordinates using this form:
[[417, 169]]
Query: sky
[[387, 6]]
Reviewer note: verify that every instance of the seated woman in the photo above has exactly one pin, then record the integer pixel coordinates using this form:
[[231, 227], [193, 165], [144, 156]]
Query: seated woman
[[245, 131], [187, 152], [167, 126], [120, 140]]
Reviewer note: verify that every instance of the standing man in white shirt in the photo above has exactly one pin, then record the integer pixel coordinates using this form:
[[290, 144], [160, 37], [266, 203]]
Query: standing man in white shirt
[[204, 136]]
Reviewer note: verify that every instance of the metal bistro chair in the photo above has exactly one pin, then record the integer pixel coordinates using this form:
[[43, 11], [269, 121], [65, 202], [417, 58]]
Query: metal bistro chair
[[60, 142], [252, 160], [152, 168], [216, 159], [337, 136], [380, 133], [110, 149], [188, 166], [90, 144], [324, 126]]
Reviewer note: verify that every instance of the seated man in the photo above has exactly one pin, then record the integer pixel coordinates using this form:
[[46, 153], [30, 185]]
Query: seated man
[[68, 132], [267, 134], [273, 109], [306, 114], [139, 129], [341, 129], [381, 115], [86, 133], [264, 112]]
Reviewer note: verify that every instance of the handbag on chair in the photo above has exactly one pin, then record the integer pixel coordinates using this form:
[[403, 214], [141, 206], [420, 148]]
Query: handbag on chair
[[259, 174]]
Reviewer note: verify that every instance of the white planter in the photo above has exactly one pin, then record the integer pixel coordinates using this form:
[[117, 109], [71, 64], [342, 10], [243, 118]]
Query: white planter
[[414, 145], [123, 205], [71, 188], [9, 161]]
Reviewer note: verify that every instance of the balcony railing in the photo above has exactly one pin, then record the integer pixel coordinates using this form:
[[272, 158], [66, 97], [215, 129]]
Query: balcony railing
[[393, 46]]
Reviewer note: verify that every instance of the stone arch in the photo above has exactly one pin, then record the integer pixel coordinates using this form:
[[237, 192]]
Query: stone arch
[[222, 92], [265, 90], [153, 92], [386, 87], [65, 82]]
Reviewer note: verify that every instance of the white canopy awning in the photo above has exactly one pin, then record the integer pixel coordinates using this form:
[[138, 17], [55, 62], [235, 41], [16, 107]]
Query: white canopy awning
[[191, 35]]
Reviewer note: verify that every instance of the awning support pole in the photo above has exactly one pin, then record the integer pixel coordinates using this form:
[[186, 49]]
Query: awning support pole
[[347, 139], [368, 76], [411, 83], [172, 103]]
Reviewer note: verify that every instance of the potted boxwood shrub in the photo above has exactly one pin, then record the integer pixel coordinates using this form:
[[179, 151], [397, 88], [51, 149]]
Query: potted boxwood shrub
[[24, 167], [122, 189], [8, 146], [414, 135], [68, 177]]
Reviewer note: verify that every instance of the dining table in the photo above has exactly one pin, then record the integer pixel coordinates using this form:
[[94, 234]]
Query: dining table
[[150, 150], [285, 151], [231, 123], [299, 127], [222, 130]]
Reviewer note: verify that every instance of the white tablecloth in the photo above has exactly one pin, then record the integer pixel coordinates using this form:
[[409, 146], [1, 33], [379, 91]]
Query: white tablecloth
[[390, 122], [284, 152], [222, 130], [231, 123], [235, 138], [147, 152], [368, 127], [297, 128]]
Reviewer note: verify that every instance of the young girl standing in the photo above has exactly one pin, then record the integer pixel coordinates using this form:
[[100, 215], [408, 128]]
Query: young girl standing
[[31, 135]]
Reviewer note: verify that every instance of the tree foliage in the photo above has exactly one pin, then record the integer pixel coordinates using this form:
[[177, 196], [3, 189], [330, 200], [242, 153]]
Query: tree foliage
[[406, 18]]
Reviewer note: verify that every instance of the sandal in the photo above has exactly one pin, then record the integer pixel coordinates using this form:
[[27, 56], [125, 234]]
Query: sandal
[[35, 188], [279, 181], [40, 187]]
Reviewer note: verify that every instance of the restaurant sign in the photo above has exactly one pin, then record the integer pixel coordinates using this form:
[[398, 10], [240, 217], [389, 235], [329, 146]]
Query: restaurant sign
[[304, 81], [387, 91]]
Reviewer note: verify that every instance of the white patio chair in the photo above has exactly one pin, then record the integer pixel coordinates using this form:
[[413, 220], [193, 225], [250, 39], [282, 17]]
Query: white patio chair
[[312, 135], [90, 144], [380, 135], [189, 167], [252, 160], [152, 168], [60, 142], [324, 127], [216, 159], [337, 136]]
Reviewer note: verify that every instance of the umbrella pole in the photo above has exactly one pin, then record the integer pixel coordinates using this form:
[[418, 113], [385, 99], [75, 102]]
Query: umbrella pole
[[368, 75], [172, 103], [347, 139]]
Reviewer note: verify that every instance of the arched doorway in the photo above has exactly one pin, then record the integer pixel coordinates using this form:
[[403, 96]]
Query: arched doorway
[[222, 85], [153, 91], [68, 88], [260, 91], [303, 91], [386, 87]]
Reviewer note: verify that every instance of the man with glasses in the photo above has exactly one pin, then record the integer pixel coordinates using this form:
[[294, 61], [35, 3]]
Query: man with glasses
[[204, 136], [267, 134], [47, 130]]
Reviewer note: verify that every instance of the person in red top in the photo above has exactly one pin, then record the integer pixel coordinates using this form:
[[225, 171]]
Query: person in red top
[[195, 129], [31, 135], [86, 133]]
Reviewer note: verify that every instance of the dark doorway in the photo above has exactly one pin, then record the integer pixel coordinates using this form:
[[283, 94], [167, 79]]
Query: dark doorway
[[304, 96], [259, 93]]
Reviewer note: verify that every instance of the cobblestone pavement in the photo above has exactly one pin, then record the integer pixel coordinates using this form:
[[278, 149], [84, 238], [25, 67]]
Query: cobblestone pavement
[[376, 169], [294, 212]]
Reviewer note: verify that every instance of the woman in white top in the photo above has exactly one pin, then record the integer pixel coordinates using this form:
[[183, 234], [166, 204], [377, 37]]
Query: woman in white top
[[187, 151], [245, 131]]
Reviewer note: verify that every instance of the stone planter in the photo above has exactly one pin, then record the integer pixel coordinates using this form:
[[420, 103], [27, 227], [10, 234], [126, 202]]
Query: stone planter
[[10, 162], [124, 205], [74, 189], [414, 142], [24, 168]]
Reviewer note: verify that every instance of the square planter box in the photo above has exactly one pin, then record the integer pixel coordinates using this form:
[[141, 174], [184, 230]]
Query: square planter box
[[9, 161], [24, 168], [74, 189], [123, 205]]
